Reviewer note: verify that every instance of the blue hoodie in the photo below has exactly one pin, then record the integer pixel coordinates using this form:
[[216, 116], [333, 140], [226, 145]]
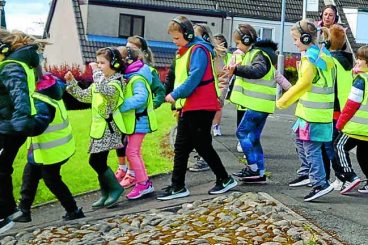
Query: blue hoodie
[[138, 101], [197, 68]]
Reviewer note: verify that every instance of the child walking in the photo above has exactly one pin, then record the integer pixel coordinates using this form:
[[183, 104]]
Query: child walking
[[45, 158], [105, 94], [254, 89], [314, 111], [139, 117], [353, 123], [196, 95], [124, 174]]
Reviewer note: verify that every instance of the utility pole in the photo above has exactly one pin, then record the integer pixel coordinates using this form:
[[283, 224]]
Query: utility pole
[[304, 9], [280, 57]]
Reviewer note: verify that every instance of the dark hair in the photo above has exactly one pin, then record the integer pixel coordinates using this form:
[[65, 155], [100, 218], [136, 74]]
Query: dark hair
[[362, 53], [246, 31], [330, 6], [222, 39]]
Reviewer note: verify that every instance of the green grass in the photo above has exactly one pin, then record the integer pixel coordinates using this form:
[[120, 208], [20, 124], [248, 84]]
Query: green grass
[[77, 173]]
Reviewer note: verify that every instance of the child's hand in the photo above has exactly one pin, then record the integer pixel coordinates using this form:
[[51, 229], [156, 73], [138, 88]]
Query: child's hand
[[93, 65], [68, 76], [169, 98], [229, 69]]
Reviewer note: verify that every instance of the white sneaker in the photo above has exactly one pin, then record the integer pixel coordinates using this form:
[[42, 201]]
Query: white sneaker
[[238, 147], [337, 184], [216, 130]]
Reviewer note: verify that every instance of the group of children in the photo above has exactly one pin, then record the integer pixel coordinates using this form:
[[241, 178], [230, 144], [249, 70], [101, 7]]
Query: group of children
[[331, 104]]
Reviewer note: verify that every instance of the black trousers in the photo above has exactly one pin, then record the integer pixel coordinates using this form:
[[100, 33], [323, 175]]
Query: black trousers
[[51, 175], [98, 161], [9, 146], [343, 144], [194, 132]]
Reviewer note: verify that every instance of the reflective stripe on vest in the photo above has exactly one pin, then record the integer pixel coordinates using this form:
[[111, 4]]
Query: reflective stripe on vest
[[255, 94], [344, 79], [56, 143], [358, 124], [31, 81], [99, 123], [181, 73], [317, 104], [130, 117]]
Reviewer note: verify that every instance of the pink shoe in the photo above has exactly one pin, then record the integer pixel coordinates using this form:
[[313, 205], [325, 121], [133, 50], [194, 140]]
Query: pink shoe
[[128, 181], [141, 189], [120, 174]]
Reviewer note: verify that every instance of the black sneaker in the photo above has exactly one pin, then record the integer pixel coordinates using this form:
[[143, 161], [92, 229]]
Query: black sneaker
[[200, 165], [300, 181], [77, 214], [5, 224], [223, 186], [172, 192], [318, 191], [247, 173], [256, 180], [21, 215], [364, 189]]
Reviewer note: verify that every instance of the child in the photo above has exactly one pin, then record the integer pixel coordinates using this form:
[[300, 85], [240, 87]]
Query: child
[[196, 95], [139, 117], [19, 113], [254, 89], [44, 162], [314, 90], [105, 94], [124, 174], [353, 122]]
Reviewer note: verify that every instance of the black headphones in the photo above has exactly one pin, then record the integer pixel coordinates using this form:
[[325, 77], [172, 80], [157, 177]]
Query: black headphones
[[245, 38], [333, 7], [4, 48], [144, 45], [205, 34], [187, 27], [116, 61], [305, 38]]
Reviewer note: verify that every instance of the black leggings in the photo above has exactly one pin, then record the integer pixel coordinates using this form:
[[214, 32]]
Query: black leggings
[[98, 161]]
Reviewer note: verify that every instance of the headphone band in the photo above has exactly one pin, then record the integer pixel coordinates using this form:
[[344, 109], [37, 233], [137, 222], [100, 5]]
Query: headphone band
[[187, 33], [144, 45]]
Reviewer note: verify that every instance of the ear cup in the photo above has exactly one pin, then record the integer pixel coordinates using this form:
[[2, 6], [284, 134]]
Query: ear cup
[[306, 38], [245, 38], [4, 48], [115, 63], [188, 31]]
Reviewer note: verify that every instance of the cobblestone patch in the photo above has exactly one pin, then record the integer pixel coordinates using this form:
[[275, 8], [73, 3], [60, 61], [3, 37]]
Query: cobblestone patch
[[238, 218]]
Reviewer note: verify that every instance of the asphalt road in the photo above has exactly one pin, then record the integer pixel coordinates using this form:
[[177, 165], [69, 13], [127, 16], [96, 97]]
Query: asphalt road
[[345, 216]]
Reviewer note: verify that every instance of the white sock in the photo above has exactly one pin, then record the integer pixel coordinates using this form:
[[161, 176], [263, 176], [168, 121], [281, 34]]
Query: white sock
[[131, 172], [253, 167], [123, 167]]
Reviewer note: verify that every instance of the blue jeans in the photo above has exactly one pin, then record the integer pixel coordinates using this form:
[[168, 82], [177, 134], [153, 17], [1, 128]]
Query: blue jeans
[[310, 156], [249, 134]]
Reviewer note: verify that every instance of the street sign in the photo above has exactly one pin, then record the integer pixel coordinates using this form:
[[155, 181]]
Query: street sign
[[312, 5]]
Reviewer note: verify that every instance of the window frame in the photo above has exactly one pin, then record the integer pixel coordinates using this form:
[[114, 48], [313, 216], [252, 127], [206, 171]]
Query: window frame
[[143, 18]]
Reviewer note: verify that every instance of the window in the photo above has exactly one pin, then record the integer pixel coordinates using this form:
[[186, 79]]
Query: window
[[264, 33], [130, 25]]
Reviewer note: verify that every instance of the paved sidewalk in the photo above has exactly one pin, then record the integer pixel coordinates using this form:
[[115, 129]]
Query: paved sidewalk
[[343, 216]]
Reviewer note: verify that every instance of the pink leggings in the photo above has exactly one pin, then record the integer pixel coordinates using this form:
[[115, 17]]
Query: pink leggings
[[134, 155]]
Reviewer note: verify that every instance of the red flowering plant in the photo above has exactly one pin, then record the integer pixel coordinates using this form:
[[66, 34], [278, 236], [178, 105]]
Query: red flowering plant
[[290, 71], [84, 79]]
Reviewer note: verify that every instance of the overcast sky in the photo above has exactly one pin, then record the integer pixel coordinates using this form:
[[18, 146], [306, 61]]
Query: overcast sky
[[27, 15]]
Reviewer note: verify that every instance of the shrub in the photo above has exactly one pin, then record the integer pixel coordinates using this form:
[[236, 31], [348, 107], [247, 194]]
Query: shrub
[[84, 79]]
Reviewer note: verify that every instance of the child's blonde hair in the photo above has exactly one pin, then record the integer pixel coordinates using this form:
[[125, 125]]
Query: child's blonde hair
[[141, 43], [307, 27], [362, 53], [130, 55], [182, 24], [17, 39]]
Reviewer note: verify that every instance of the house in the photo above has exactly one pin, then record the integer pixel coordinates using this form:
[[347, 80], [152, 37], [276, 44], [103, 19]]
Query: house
[[77, 28]]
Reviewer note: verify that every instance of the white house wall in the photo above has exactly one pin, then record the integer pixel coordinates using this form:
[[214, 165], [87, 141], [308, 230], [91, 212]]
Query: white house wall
[[105, 21], [64, 36]]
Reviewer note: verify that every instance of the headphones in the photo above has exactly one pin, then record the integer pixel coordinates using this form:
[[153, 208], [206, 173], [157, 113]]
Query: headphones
[[222, 38], [4, 48], [144, 45], [116, 61], [245, 38], [333, 7], [129, 59], [187, 27], [205, 34], [305, 38]]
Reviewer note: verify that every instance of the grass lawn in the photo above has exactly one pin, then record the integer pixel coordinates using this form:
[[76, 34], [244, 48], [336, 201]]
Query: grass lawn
[[77, 173]]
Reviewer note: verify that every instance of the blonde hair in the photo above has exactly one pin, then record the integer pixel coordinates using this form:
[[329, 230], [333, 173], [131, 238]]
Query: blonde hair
[[17, 39], [148, 55], [130, 55], [306, 26]]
